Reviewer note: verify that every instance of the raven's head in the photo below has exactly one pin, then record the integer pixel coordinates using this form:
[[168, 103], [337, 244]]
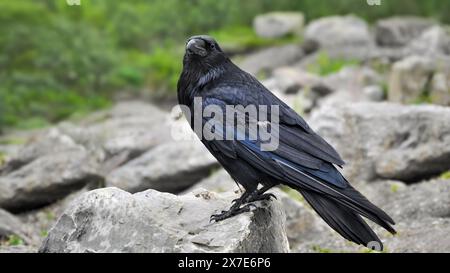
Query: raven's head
[[203, 51]]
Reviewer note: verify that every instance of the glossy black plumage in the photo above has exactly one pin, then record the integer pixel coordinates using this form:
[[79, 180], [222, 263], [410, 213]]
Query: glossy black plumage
[[303, 160]]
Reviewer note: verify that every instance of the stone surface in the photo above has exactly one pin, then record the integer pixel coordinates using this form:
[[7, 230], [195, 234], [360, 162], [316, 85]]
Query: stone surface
[[408, 143], [18, 249], [302, 223], [111, 220], [399, 31], [265, 60], [440, 88], [339, 32], [278, 24], [170, 167], [11, 225], [409, 79], [433, 42], [46, 180]]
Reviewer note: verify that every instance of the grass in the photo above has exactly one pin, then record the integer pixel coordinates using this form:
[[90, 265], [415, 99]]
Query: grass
[[242, 38], [445, 175], [14, 240], [394, 188], [325, 65]]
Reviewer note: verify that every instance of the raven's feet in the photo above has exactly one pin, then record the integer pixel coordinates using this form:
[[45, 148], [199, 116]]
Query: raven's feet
[[230, 213]]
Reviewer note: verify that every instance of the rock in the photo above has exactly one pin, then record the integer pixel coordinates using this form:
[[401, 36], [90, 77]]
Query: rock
[[170, 167], [11, 225], [265, 60], [433, 42], [291, 80], [409, 79], [125, 131], [384, 140], [419, 78], [302, 224], [440, 88], [111, 220], [278, 24], [399, 31], [39, 221], [339, 32], [374, 93], [47, 179], [49, 142], [18, 249]]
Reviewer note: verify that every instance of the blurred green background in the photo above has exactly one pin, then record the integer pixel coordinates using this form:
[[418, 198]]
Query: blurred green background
[[59, 61]]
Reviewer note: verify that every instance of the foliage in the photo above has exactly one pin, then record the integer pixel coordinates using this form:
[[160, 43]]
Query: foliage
[[325, 65], [58, 60]]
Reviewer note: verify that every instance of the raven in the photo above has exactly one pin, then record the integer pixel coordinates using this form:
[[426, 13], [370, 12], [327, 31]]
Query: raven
[[302, 159]]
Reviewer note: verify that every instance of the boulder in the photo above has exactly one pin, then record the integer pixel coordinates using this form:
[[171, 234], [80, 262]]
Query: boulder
[[433, 42], [399, 31], [47, 179], [385, 140], [171, 167], [265, 60], [340, 33], [420, 79], [440, 88], [123, 132], [302, 223], [409, 79], [112, 220], [278, 24]]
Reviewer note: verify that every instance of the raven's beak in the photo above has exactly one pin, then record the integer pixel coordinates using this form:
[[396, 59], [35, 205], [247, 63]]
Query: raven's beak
[[196, 46]]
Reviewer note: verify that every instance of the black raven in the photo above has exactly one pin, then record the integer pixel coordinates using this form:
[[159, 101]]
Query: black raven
[[302, 159]]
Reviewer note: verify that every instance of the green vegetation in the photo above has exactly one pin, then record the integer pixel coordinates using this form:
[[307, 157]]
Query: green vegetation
[[325, 65], [59, 60], [394, 188], [14, 240], [445, 175]]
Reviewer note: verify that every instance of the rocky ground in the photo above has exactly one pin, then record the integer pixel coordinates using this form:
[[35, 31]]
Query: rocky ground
[[117, 181]]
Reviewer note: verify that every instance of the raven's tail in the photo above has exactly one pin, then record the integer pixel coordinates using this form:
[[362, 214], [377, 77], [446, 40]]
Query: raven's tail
[[345, 218]]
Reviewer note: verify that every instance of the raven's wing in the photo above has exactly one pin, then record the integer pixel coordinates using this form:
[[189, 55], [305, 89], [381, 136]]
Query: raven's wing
[[294, 131], [303, 160]]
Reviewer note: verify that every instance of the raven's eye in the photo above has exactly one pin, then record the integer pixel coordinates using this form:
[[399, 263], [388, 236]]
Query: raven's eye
[[212, 46]]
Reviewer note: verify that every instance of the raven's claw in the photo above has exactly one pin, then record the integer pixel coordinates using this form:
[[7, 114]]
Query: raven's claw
[[230, 213]]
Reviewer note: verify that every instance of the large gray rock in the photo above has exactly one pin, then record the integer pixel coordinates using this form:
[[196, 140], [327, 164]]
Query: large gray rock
[[340, 33], [47, 179], [433, 42], [387, 140], [302, 223], [265, 60], [170, 167], [418, 78], [440, 88], [409, 79], [278, 24], [121, 133], [112, 220], [399, 31]]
